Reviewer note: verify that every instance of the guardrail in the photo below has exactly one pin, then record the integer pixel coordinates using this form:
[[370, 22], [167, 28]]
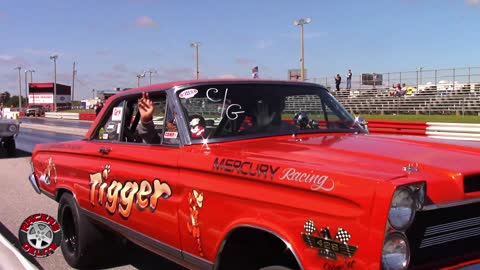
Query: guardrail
[[397, 127], [453, 131]]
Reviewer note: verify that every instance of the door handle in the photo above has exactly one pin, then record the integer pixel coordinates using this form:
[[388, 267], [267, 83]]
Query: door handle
[[104, 150]]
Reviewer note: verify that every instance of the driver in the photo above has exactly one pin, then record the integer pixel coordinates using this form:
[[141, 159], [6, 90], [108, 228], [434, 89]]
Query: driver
[[146, 128]]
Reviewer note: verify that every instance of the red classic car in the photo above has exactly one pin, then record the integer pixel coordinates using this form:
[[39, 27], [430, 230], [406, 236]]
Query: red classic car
[[252, 174]]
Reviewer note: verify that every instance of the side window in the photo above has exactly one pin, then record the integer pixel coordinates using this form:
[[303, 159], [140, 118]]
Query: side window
[[149, 132], [111, 127]]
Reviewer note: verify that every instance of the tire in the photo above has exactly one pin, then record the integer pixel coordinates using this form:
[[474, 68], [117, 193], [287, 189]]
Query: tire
[[81, 239], [10, 146]]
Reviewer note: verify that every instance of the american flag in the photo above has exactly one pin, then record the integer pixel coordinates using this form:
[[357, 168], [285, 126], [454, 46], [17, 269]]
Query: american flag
[[255, 72]]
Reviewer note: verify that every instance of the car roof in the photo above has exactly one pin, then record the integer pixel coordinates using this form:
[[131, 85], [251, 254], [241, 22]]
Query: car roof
[[210, 81]]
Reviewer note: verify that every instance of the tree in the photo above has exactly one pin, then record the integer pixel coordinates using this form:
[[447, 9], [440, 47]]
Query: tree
[[5, 97], [13, 100]]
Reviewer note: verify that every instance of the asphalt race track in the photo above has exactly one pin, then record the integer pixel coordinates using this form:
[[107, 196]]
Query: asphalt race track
[[56, 122], [19, 200]]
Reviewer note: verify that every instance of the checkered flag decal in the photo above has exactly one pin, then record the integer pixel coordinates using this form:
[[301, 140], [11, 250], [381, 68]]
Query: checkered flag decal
[[309, 227], [342, 235]]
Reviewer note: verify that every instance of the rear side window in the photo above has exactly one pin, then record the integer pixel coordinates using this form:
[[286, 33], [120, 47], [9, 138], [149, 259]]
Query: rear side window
[[111, 127], [122, 122]]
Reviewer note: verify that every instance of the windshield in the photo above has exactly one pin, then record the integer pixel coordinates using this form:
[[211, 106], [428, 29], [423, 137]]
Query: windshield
[[256, 110]]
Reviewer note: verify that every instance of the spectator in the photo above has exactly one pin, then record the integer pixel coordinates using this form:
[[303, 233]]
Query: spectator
[[1, 110], [398, 90], [98, 107], [349, 79], [338, 81]]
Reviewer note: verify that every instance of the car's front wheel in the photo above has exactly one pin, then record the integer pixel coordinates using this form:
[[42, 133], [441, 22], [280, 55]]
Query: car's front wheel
[[81, 238]]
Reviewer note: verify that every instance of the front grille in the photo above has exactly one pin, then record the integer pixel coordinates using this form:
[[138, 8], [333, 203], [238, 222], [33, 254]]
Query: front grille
[[471, 183], [446, 236]]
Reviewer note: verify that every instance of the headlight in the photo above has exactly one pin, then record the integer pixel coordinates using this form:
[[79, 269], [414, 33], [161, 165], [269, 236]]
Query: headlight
[[396, 252], [12, 128], [402, 209]]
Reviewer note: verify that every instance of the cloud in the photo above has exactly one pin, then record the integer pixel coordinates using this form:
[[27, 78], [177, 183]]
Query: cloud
[[146, 22], [263, 44], [473, 2], [11, 60], [227, 76], [244, 61]]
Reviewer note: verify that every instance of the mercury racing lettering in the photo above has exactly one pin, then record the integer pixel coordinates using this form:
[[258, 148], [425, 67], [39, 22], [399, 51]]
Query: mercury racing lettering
[[316, 181], [122, 196], [245, 168]]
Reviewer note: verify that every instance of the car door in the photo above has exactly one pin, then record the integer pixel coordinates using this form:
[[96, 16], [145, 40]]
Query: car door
[[136, 184]]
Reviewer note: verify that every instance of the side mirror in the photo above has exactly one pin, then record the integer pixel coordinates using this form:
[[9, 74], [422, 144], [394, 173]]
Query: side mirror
[[362, 122]]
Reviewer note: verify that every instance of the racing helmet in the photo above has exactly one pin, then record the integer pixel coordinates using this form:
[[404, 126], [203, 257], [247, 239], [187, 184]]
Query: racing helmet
[[301, 119]]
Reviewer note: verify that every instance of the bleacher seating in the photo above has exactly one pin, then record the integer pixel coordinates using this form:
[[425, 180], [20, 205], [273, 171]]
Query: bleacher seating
[[429, 101]]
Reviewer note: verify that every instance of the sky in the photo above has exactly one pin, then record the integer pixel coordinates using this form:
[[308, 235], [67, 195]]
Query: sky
[[112, 41]]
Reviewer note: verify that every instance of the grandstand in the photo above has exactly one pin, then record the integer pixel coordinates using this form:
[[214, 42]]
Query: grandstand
[[449, 91], [427, 99]]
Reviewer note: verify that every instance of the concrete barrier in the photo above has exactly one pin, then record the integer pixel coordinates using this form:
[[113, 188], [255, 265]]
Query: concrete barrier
[[62, 115], [87, 116]]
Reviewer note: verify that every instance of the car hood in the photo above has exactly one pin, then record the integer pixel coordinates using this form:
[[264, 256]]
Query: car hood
[[345, 163], [382, 156]]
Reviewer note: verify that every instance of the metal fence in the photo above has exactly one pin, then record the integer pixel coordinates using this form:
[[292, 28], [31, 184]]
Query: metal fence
[[421, 76]]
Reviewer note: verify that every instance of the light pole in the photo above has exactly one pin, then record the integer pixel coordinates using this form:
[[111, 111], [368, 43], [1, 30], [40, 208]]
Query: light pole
[[421, 69], [74, 73], [26, 84], [150, 74], [138, 78], [54, 58], [300, 23], [196, 45], [19, 87]]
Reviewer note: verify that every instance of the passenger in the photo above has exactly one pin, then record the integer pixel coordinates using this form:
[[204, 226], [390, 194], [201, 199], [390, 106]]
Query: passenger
[[265, 115]]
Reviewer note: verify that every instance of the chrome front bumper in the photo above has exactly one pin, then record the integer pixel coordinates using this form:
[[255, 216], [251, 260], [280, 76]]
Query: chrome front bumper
[[34, 183]]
